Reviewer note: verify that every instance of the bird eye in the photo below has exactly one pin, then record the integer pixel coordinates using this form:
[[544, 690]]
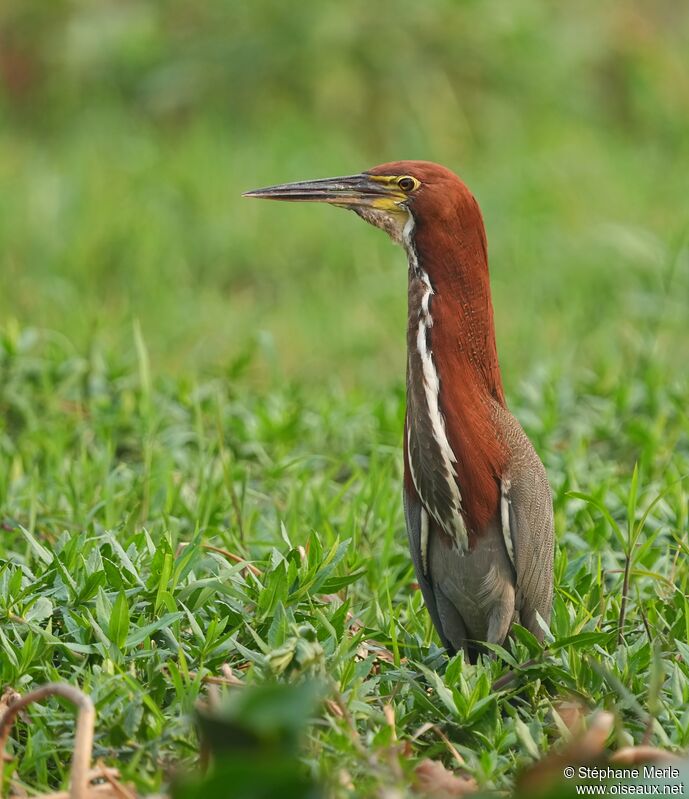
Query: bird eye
[[406, 184]]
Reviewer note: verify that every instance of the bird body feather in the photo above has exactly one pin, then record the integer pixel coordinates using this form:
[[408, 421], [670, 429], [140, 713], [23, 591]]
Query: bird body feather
[[476, 498], [484, 551], [476, 594]]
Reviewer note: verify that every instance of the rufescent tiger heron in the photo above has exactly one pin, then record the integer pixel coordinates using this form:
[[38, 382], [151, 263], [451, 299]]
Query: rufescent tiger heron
[[477, 502]]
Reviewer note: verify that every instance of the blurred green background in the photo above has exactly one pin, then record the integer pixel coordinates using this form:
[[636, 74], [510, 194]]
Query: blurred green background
[[128, 131]]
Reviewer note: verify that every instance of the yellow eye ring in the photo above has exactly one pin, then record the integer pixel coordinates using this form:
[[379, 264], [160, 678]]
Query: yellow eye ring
[[407, 183]]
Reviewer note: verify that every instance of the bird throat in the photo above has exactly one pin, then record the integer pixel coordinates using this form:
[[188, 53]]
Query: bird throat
[[392, 222]]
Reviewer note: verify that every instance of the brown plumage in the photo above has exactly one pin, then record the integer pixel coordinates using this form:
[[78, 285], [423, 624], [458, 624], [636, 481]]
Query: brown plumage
[[477, 502]]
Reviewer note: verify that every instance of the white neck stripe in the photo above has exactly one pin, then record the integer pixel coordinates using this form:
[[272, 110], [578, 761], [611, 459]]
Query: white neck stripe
[[457, 528]]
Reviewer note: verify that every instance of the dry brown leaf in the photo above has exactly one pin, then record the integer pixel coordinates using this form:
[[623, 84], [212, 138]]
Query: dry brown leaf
[[585, 748], [334, 708], [591, 743], [344, 778], [634, 755], [432, 779], [8, 697], [572, 714]]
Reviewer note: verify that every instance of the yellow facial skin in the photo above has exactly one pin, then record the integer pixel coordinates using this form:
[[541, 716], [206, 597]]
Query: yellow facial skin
[[397, 194]]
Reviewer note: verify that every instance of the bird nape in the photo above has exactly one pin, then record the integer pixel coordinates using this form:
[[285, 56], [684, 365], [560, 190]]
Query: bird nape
[[477, 502]]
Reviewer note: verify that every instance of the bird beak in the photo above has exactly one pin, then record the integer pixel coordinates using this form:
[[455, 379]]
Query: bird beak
[[373, 191]]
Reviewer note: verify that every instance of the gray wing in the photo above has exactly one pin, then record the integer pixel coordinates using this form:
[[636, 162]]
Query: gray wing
[[412, 514], [527, 517]]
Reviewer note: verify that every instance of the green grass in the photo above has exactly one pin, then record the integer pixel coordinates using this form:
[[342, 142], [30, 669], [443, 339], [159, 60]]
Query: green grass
[[123, 158], [179, 366], [110, 472]]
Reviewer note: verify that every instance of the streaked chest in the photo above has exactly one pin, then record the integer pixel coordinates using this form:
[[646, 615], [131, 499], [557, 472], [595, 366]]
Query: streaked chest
[[429, 451]]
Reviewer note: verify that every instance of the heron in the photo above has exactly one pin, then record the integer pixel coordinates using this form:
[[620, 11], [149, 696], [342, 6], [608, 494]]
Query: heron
[[477, 501]]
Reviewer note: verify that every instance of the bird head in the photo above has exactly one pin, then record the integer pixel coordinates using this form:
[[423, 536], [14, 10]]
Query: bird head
[[387, 196], [429, 211]]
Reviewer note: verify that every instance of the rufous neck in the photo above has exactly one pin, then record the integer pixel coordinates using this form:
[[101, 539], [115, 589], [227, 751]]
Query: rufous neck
[[454, 259]]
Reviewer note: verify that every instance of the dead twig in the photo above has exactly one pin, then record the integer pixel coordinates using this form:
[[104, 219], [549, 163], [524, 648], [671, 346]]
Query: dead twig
[[625, 595], [226, 554], [226, 678], [83, 742], [504, 682]]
